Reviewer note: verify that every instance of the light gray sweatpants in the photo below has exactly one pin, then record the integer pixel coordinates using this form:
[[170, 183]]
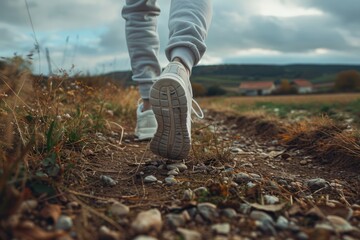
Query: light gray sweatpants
[[189, 22]]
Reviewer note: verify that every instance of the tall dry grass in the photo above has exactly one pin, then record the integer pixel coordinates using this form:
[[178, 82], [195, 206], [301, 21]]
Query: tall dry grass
[[43, 118]]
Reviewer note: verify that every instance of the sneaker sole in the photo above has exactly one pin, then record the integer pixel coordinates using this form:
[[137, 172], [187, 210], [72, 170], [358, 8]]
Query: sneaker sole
[[168, 100]]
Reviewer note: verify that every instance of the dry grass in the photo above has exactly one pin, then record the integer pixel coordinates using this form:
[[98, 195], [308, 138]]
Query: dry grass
[[329, 141], [45, 125]]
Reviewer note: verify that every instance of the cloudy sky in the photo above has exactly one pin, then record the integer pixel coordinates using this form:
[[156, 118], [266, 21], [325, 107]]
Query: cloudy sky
[[90, 33]]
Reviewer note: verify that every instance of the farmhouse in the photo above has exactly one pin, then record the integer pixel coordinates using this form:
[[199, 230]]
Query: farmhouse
[[302, 85], [256, 88]]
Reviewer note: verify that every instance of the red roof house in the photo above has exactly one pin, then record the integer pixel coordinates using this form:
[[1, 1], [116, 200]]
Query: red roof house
[[303, 86], [256, 88]]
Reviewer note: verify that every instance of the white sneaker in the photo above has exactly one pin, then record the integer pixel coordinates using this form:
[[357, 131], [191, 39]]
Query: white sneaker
[[146, 123], [171, 100]]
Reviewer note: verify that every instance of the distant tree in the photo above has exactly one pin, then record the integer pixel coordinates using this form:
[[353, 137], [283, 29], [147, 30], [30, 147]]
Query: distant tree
[[285, 87], [215, 90], [198, 90], [348, 81]]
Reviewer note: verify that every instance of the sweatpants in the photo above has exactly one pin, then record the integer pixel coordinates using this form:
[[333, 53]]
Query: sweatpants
[[189, 21]]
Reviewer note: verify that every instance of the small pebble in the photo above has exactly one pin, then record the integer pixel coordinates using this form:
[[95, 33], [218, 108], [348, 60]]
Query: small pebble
[[222, 228], [302, 236], [282, 223], [170, 180], [118, 210], [187, 234], [245, 208], [242, 178], [303, 162], [236, 150], [269, 199], [229, 213], [180, 166], [189, 195], [177, 220], [64, 223], [143, 237], [208, 211], [255, 176], [173, 172], [150, 179], [106, 234], [316, 184], [147, 220], [108, 180], [261, 216]]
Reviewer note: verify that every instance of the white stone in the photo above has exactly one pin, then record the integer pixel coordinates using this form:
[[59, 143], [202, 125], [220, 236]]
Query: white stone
[[269, 199], [118, 209], [142, 237], [170, 180], [189, 234], [180, 166], [173, 172], [147, 220], [64, 223], [221, 228], [150, 179]]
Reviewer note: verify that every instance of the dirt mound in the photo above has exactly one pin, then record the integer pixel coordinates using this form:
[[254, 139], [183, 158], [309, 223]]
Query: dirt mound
[[329, 142]]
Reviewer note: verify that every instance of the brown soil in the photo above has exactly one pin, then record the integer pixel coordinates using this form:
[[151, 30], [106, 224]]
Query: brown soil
[[130, 165], [131, 161]]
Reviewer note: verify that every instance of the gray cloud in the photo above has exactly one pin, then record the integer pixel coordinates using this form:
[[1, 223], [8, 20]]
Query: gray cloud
[[14, 12], [65, 14], [234, 30], [297, 34], [345, 10]]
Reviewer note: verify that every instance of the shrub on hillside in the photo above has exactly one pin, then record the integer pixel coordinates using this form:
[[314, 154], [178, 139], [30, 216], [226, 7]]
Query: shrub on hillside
[[348, 81], [215, 90]]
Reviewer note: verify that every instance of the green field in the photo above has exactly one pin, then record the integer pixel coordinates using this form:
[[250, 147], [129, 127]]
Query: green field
[[340, 107]]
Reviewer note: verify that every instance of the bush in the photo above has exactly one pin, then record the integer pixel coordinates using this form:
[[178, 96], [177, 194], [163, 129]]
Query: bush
[[285, 88], [348, 81], [215, 90]]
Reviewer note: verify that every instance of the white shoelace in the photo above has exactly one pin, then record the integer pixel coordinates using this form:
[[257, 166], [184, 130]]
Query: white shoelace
[[201, 115]]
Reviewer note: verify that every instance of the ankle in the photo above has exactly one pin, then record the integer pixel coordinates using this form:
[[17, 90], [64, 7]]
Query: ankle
[[146, 105], [179, 60]]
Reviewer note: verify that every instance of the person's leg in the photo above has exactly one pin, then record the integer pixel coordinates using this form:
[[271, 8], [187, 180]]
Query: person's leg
[[143, 42], [171, 96], [189, 22], [143, 45]]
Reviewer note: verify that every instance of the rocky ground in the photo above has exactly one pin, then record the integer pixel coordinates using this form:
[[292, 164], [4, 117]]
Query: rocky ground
[[235, 185]]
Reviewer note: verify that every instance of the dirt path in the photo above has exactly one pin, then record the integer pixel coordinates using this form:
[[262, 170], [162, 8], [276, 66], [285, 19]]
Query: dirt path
[[234, 186]]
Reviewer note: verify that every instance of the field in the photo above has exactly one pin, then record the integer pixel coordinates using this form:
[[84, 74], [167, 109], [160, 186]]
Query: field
[[340, 107], [260, 167]]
